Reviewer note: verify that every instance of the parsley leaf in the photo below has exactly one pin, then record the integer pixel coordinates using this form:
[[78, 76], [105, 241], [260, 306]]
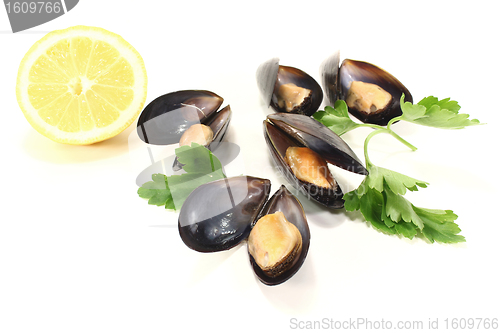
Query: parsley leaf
[[337, 118], [198, 159], [201, 167], [397, 182], [439, 225], [380, 199], [406, 229], [398, 208], [436, 113], [372, 207], [156, 191]]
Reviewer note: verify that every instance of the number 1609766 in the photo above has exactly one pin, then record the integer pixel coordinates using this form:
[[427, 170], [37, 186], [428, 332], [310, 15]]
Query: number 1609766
[[33, 7], [471, 323]]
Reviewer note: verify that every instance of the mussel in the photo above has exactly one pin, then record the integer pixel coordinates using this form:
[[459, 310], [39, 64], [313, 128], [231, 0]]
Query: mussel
[[288, 89], [301, 147], [220, 215], [168, 117], [371, 94], [209, 133], [184, 117], [277, 257]]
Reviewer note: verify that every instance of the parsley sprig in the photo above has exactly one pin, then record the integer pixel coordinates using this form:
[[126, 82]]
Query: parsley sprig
[[380, 197], [200, 166]]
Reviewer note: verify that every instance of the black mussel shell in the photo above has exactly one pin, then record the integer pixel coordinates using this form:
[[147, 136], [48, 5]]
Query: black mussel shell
[[285, 202], [163, 121], [337, 82], [284, 130], [219, 123], [352, 70], [218, 215], [266, 78], [270, 76], [329, 70]]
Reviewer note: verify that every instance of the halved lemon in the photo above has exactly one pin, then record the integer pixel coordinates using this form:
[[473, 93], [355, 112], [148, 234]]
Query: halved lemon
[[81, 85]]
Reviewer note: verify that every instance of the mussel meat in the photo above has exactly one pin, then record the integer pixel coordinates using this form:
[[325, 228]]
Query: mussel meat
[[274, 243], [301, 147], [220, 215], [288, 89], [279, 240], [371, 94]]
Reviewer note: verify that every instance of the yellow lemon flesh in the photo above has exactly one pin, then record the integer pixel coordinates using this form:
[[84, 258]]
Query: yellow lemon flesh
[[81, 85]]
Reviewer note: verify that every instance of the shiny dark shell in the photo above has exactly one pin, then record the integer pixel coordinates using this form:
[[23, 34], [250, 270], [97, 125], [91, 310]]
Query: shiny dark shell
[[165, 119], [219, 123], [336, 82], [329, 70], [218, 215], [271, 75], [284, 130], [286, 202]]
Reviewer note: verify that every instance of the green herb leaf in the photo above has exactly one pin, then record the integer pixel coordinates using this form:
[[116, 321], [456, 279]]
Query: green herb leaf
[[156, 191], [439, 225], [380, 199], [406, 229], [198, 159], [201, 167], [436, 113], [337, 118], [371, 205], [397, 182], [398, 208], [352, 201]]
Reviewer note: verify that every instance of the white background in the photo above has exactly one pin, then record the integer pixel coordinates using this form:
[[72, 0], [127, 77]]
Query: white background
[[81, 252]]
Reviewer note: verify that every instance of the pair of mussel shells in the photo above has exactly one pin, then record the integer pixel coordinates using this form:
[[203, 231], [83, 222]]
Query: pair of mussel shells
[[372, 94], [183, 117], [301, 147], [221, 214]]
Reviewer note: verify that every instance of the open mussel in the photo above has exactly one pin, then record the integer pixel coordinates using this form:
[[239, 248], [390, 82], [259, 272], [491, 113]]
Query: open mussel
[[220, 215], [288, 89], [371, 94], [279, 240], [168, 117], [301, 147], [209, 133]]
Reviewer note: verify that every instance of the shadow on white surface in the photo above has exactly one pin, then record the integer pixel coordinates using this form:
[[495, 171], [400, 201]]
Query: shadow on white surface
[[316, 216], [354, 216], [173, 226], [297, 295], [44, 149], [208, 263]]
